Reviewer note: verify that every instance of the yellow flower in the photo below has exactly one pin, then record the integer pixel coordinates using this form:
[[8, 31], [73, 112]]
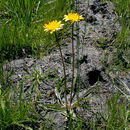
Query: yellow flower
[[73, 17], [53, 26]]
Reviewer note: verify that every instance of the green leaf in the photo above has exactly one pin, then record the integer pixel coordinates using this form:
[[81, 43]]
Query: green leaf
[[78, 102], [2, 103], [55, 107], [23, 126], [0, 89]]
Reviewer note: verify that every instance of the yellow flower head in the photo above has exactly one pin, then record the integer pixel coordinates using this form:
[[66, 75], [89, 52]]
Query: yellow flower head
[[53, 26], [73, 17]]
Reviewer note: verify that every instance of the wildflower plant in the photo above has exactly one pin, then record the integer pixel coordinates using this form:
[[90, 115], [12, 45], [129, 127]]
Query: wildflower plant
[[72, 17], [53, 28]]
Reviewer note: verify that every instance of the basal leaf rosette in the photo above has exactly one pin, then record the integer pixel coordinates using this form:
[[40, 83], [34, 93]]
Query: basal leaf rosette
[[73, 17], [53, 26]]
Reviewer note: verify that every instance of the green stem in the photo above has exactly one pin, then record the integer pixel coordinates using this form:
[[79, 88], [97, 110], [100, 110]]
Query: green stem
[[65, 94], [72, 85]]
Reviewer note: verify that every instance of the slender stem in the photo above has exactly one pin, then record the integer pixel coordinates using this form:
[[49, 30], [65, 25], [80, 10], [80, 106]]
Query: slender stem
[[65, 94], [72, 85]]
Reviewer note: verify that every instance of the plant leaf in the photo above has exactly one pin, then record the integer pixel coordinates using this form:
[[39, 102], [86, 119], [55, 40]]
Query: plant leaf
[[55, 107]]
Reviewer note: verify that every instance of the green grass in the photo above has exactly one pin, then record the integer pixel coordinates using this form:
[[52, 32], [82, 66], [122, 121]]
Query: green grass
[[121, 56], [21, 28], [15, 111]]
